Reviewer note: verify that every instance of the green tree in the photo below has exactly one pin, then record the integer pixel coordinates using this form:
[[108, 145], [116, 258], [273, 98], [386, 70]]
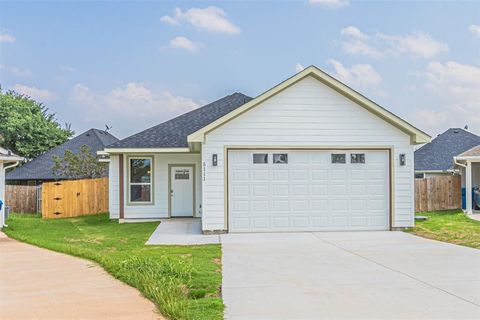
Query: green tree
[[82, 165], [26, 126]]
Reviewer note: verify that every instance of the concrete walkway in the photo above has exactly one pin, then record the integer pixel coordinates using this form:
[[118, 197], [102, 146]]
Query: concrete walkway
[[348, 275], [474, 216], [40, 284], [181, 231]]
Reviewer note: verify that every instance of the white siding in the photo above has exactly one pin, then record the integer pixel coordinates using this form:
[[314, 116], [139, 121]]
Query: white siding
[[2, 192], [159, 209], [306, 114], [113, 187]]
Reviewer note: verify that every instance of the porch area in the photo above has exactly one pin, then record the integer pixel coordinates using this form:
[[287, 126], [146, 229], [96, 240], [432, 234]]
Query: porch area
[[469, 163], [181, 231]]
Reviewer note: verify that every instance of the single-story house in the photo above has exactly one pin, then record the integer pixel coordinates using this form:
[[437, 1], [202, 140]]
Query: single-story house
[[7, 160], [436, 157], [39, 170], [468, 163], [308, 154]]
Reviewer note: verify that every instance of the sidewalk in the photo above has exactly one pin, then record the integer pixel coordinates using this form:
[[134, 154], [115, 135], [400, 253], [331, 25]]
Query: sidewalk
[[40, 284]]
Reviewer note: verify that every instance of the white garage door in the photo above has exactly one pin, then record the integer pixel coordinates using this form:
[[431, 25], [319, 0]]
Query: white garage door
[[308, 190]]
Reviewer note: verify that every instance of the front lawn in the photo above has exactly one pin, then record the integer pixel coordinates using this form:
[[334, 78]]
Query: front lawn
[[183, 281], [450, 226]]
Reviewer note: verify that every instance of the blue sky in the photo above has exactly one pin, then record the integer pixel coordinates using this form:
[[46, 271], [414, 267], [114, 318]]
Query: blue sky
[[135, 64]]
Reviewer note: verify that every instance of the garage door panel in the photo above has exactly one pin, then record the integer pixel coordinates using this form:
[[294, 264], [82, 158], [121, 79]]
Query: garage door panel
[[308, 192], [301, 222], [320, 222], [260, 190], [240, 175], [280, 223], [280, 190], [319, 190], [280, 175], [239, 190], [260, 175], [359, 221], [299, 190]]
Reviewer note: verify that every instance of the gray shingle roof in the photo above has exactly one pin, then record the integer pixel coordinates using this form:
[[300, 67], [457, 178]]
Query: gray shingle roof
[[40, 168], [173, 133], [438, 154]]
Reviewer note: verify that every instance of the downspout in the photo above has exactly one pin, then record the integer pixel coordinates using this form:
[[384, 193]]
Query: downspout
[[458, 163], [5, 189]]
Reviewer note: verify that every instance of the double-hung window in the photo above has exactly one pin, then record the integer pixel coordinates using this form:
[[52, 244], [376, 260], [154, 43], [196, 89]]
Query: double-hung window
[[140, 179]]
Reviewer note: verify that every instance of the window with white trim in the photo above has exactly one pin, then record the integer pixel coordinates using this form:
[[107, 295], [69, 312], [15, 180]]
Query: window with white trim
[[140, 179]]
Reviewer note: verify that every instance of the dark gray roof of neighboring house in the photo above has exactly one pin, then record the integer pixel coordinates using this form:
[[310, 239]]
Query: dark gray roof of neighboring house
[[40, 168], [438, 154], [173, 133]]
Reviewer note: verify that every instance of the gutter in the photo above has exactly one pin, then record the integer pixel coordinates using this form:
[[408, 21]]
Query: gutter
[[4, 169], [458, 163]]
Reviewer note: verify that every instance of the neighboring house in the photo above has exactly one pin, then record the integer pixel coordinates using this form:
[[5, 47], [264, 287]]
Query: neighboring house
[[308, 154], [436, 157], [39, 169], [7, 160], [468, 163]]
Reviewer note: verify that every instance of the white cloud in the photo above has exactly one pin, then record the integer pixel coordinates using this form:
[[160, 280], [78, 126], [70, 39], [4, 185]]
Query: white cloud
[[81, 94], [417, 44], [330, 3], [185, 44], [299, 67], [16, 71], [457, 88], [41, 95], [475, 29], [211, 19], [169, 20], [6, 37], [133, 102], [358, 43], [362, 76]]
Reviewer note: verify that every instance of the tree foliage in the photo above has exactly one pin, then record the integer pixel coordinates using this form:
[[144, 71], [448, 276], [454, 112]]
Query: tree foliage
[[26, 126], [82, 165]]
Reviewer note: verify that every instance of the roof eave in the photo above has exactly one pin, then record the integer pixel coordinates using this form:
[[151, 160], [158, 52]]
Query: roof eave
[[108, 151]]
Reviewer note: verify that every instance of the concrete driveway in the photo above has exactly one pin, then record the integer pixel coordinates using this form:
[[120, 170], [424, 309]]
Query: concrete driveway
[[348, 275], [40, 284]]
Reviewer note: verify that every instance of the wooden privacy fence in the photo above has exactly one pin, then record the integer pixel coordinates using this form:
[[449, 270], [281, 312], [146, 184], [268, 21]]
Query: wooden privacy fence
[[72, 198], [22, 199], [438, 193]]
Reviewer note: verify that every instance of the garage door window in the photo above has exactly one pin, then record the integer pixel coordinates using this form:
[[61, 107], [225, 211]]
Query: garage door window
[[260, 158], [357, 158], [280, 158], [338, 157]]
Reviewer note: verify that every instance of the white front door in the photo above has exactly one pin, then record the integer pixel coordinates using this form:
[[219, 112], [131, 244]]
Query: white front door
[[181, 191]]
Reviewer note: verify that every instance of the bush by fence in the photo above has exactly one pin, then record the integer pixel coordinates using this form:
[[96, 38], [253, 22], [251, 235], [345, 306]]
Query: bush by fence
[[72, 198], [438, 193]]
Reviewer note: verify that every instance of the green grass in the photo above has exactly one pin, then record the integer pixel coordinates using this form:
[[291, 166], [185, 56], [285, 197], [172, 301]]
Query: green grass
[[449, 226], [183, 281]]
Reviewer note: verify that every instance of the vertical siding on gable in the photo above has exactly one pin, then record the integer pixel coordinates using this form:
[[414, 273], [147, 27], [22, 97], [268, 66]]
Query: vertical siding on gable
[[306, 114]]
